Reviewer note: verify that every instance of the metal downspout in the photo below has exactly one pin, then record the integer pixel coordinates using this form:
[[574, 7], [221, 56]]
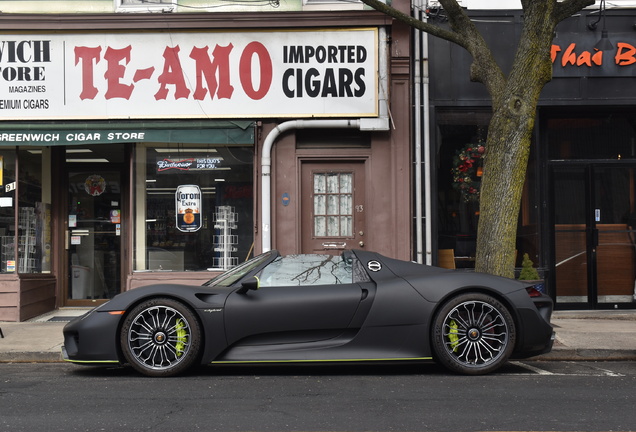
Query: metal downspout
[[427, 153], [417, 133], [422, 145]]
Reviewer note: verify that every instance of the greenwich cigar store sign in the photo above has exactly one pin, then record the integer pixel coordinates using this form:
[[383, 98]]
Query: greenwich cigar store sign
[[189, 74]]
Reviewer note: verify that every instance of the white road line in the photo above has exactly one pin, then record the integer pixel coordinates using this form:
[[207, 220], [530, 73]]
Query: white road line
[[604, 372], [594, 371], [532, 368]]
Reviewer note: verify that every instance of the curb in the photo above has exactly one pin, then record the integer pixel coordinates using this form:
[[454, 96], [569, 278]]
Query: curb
[[587, 354], [31, 357]]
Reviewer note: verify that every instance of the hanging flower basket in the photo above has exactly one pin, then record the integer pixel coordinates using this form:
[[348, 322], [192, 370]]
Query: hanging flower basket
[[466, 171]]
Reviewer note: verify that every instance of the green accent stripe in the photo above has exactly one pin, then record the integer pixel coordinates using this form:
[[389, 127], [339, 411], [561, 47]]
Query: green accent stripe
[[91, 361], [320, 361]]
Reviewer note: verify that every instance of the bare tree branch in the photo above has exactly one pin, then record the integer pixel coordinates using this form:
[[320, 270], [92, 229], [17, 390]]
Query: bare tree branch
[[464, 33], [416, 23], [567, 8]]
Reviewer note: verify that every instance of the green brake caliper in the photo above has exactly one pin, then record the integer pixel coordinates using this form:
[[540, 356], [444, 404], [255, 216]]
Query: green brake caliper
[[452, 335], [182, 337]]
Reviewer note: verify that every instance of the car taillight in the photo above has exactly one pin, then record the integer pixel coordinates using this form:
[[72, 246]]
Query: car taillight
[[533, 292]]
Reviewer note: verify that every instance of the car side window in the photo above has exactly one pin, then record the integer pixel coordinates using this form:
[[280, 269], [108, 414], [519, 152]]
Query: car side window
[[301, 270]]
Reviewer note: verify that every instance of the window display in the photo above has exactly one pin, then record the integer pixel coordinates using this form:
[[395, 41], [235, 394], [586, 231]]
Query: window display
[[196, 212], [7, 211], [34, 211]]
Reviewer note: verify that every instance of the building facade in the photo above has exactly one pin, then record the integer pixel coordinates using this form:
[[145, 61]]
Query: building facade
[[138, 146], [576, 220]]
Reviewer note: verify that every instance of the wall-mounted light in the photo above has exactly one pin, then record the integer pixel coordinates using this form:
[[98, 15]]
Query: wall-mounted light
[[604, 43]]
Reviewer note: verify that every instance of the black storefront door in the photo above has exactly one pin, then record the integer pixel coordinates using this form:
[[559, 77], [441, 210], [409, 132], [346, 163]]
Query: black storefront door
[[594, 233], [95, 221]]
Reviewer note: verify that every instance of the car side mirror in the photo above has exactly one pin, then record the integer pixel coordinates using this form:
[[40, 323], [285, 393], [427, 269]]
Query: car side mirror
[[251, 284]]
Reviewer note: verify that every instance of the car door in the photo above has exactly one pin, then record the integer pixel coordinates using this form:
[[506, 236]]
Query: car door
[[293, 303]]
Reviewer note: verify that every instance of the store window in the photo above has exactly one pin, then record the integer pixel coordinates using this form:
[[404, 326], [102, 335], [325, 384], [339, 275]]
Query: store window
[[599, 135], [194, 207], [460, 160], [33, 203], [7, 210]]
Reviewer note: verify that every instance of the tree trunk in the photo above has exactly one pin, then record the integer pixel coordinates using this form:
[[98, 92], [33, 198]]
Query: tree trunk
[[508, 144], [508, 147]]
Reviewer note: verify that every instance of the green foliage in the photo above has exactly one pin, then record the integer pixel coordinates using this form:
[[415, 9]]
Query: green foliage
[[528, 272]]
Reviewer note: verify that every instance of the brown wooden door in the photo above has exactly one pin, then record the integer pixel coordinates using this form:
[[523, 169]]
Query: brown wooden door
[[333, 206]]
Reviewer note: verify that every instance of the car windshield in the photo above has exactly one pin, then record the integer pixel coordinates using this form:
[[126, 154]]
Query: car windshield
[[307, 269], [231, 276]]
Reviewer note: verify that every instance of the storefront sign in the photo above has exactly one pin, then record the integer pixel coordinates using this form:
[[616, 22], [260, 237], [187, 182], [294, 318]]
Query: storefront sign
[[189, 74], [188, 203], [575, 58], [230, 134]]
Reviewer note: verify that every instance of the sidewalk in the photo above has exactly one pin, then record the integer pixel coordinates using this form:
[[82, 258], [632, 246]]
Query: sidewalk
[[580, 335], [593, 335]]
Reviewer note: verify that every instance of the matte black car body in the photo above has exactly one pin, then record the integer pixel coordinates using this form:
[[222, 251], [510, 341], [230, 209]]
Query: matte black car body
[[392, 310]]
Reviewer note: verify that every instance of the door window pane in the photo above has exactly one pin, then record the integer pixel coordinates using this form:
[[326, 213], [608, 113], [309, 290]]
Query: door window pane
[[615, 212], [570, 238], [94, 221], [333, 204]]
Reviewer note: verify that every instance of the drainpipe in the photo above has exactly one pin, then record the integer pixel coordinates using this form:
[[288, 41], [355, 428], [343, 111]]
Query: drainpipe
[[380, 123], [422, 144], [427, 152], [417, 134]]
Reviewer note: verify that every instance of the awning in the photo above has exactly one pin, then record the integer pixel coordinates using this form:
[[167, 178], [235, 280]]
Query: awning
[[107, 132]]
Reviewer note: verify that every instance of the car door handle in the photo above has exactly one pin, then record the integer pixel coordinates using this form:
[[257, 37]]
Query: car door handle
[[365, 294]]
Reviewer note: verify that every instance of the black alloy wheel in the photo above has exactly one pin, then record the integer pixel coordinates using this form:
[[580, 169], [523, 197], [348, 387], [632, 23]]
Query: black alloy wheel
[[473, 334], [161, 337]]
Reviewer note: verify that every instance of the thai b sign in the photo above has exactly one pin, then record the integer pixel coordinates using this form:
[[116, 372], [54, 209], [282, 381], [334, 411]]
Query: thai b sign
[[189, 74], [188, 203], [578, 57]]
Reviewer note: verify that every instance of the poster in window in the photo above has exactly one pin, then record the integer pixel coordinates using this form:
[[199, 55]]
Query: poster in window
[[188, 203]]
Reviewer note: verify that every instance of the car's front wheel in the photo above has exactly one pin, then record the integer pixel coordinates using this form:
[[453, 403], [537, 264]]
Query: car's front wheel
[[473, 333], [161, 337]]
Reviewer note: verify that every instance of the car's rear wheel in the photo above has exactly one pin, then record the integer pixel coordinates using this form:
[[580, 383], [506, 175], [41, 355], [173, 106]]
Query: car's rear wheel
[[473, 333], [161, 337]]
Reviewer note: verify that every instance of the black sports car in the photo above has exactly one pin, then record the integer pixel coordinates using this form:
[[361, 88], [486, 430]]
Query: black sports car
[[358, 306]]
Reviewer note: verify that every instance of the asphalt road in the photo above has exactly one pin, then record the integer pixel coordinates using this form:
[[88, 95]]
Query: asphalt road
[[523, 396]]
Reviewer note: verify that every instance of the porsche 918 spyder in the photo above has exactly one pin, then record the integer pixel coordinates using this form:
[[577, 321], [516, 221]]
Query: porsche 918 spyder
[[354, 307]]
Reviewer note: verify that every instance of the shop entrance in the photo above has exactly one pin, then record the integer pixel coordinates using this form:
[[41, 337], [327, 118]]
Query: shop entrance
[[94, 221], [594, 234], [333, 207]]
